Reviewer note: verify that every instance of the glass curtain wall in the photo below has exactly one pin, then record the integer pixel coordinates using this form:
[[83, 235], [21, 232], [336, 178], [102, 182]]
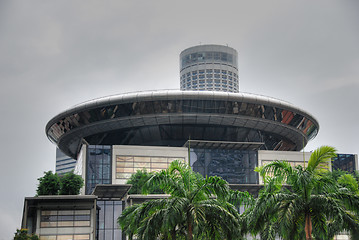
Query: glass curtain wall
[[108, 228], [345, 162], [234, 166], [98, 166]]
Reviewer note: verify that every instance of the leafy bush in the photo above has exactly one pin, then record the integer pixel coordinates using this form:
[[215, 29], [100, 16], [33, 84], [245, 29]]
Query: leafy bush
[[52, 184], [22, 235], [139, 179]]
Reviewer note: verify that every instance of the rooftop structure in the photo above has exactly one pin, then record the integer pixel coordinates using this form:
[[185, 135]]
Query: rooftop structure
[[209, 68], [170, 118]]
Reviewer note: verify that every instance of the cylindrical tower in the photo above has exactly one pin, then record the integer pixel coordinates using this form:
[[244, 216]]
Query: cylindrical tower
[[210, 68]]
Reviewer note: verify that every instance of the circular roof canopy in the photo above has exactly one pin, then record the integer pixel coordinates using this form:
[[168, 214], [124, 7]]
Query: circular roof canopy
[[171, 117]]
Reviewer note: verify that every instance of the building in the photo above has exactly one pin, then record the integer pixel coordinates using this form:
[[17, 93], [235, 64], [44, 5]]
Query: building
[[217, 129], [64, 163], [209, 68]]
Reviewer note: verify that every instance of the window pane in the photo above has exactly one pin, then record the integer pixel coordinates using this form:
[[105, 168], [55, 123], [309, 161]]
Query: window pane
[[82, 212], [47, 237], [65, 224], [66, 212], [159, 159], [82, 223], [124, 159], [48, 224], [142, 159], [48, 212], [64, 237], [124, 164], [123, 175], [141, 165], [81, 237]]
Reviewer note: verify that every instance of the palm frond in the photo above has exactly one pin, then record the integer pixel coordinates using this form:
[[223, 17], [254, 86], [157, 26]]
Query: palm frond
[[321, 158]]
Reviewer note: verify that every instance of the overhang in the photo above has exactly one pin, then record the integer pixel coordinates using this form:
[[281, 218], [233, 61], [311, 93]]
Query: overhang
[[111, 191], [223, 145]]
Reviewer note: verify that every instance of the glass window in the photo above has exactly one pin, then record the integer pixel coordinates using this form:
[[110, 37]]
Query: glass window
[[194, 72], [217, 70], [201, 71], [47, 237], [159, 159], [235, 166], [64, 237], [201, 76], [209, 75], [98, 169], [141, 165], [81, 237], [216, 56], [224, 72], [65, 218], [209, 70], [224, 57]]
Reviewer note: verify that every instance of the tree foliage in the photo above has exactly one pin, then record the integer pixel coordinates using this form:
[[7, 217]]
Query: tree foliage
[[53, 184], [49, 184], [312, 204], [22, 234], [70, 184], [138, 181], [197, 208]]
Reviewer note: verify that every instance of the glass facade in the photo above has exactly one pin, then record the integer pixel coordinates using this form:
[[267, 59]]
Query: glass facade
[[224, 81], [127, 165], [107, 215], [98, 166], [345, 162], [208, 57], [64, 163], [180, 109], [68, 222], [66, 237], [197, 65], [65, 218], [235, 166]]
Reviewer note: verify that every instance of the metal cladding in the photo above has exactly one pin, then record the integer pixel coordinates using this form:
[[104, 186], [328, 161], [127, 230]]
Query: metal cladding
[[171, 117]]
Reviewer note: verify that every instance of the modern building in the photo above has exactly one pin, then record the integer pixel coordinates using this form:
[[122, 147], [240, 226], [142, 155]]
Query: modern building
[[64, 163], [208, 123], [209, 68]]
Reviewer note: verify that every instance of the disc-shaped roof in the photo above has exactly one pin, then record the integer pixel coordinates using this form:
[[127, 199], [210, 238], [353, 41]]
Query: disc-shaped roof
[[171, 117]]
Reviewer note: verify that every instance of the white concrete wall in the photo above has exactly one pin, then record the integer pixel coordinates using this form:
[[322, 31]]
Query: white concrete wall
[[294, 158], [148, 151], [80, 168]]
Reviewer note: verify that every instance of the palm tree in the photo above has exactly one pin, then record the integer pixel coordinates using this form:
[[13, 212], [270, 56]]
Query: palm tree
[[312, 203], [197, 207]]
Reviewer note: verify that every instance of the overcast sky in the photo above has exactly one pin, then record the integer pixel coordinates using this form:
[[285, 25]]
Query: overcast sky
[[55, 54]]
